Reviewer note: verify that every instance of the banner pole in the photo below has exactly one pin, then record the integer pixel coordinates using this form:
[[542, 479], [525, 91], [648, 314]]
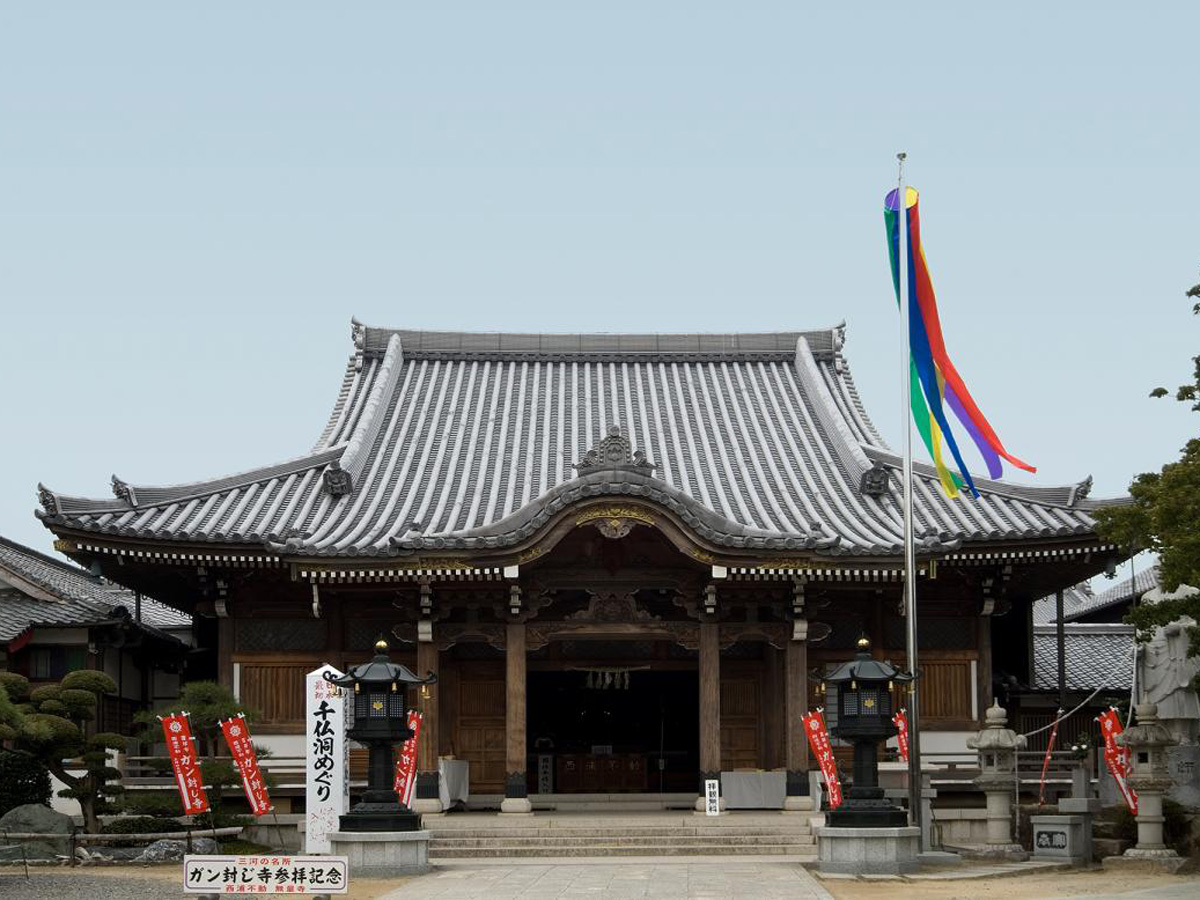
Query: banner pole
[[910, 567]]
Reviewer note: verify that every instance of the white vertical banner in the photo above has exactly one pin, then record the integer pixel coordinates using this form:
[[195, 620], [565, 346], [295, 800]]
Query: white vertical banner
[[712, 797], [327, 770]]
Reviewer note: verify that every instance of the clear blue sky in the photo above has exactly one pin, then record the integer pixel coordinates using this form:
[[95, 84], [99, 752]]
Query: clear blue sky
[[195, 199]]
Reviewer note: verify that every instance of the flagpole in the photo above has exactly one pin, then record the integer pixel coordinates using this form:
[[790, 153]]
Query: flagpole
[[910, 566]]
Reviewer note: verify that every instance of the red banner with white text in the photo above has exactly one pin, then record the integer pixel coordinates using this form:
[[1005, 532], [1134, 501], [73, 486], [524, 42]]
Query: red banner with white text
[[181, 747], [900, 720], [818, 740], [237, 736], [1117, 757], [1046, 759], [406, 760]]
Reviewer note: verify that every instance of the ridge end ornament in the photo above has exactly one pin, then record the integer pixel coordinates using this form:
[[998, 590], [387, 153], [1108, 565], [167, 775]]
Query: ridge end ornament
[[614, 451]]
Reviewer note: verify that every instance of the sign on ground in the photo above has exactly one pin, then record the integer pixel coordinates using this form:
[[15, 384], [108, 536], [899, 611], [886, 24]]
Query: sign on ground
[[265, 874]]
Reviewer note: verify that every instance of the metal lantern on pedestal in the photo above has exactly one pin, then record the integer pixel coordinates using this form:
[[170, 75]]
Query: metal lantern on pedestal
[[379, 719], [862, 692]]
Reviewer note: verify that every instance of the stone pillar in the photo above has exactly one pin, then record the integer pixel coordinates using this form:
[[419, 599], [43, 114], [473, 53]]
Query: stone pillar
[[1149, 777], [710, 707], [427, 797], [795, 706], [516, 795], [997, 747]]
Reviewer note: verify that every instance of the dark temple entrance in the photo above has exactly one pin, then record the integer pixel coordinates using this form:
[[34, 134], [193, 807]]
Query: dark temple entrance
[[600, 729]]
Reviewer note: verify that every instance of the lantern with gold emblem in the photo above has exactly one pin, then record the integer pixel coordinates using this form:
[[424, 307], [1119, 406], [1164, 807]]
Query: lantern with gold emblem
[[863, 689], [379, 719]]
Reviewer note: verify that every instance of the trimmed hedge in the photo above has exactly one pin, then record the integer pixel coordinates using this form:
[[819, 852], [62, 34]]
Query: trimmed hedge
[[22, 780]]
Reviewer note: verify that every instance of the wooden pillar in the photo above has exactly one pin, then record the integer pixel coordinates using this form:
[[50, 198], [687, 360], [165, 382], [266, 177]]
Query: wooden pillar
[[516, 795], [710, 705], [796, 703], [985, 665], [427, 797], [225, 653]]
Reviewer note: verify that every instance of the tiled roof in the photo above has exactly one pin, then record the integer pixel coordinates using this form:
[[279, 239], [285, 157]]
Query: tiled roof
[[1045, 610], [75, 596], [445, 440], [1098, 656]]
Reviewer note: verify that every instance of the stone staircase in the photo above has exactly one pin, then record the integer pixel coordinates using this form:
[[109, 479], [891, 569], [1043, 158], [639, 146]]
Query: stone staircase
[[475, 836]]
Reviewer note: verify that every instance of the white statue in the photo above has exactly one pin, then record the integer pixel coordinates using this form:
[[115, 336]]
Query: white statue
[[1165, 673]]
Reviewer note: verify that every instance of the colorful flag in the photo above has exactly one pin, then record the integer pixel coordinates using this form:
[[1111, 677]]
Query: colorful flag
[[1046, 760], [1116, 757], [181, 747], [818, 740], [900, 720], [934, 382], [406, 760], [245, 760]]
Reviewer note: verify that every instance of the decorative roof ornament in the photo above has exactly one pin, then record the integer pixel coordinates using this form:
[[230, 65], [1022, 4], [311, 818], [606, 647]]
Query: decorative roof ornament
[[614, 452], [874, 481], [1080, 491], [337, 480], [48, 499], [358, 334], [124, 491]]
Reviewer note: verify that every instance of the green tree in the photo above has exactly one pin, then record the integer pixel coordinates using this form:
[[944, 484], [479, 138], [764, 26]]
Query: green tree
[[1164, 517], [52, 728], [207, 704]]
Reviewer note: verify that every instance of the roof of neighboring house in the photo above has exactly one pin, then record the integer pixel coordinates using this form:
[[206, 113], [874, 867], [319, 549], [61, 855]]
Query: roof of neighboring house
[[1074, 598], [474, 441], [39, 591], [1098, 656]]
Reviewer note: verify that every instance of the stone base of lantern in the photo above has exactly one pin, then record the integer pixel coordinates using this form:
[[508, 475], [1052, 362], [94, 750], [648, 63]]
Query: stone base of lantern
[[868, 851], [1010, 852], [1151, 861], [1065, 838], [383, 854]]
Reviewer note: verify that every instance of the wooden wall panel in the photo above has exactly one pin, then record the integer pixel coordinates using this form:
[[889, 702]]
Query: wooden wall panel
[[946, 689], [740, 722], [479, 735], [276, 690]]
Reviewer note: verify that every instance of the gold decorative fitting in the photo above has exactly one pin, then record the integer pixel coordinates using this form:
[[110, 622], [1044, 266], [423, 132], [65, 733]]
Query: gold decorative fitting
[[864, 643], [706, 558], [356, 687], [530, 554], [377, 705], [425, 692], [381, 645], [64, 546], [853, 685], [869, 703], [637, 513], [393, 687]]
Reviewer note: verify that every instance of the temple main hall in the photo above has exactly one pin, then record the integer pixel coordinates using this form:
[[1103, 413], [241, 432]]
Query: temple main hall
[[629, 558]]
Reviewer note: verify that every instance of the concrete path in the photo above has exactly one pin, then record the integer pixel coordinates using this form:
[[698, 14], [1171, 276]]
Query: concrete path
[[661, 879], [1187, 891]]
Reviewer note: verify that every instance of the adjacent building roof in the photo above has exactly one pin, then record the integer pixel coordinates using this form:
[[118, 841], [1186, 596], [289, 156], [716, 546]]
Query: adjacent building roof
[[39, 591], [446, 440], [1098, 656]]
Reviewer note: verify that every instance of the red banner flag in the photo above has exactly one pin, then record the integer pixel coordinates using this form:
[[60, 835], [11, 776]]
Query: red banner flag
[[406, 760], [181, 748], [1117, 757], [900, 720], [1046, 760], [237, 736], [818, 740]]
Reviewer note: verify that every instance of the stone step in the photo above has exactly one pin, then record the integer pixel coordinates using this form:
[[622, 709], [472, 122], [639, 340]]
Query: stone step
[[517, 831], [438, 841], [1102, 847], [538, 850]]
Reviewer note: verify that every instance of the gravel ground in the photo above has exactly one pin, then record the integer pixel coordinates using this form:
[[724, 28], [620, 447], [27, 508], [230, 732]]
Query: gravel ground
[[85, 886]]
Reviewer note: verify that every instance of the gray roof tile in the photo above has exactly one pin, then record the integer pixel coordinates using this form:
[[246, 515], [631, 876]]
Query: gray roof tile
[[1098, 656], [458, 440]]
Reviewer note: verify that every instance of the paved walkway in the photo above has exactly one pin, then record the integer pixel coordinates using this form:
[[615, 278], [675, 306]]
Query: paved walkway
[[649, 880]]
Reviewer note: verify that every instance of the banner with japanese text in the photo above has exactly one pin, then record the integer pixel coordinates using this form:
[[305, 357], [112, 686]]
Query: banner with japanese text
[[900, 720], [245, 760], [181, 747], [327, 757], [818, 740], [1116, 757], [406, 760]]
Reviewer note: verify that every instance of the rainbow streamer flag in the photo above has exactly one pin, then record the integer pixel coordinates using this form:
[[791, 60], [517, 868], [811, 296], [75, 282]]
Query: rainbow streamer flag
[[934, 383]]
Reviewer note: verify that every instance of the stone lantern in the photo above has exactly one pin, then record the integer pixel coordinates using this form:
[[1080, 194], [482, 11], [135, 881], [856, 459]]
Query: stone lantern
[[1148, 741], [998, 748], [379, 719], [863, 689]]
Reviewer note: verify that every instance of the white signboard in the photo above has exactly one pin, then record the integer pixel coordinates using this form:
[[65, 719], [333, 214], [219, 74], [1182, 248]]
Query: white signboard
[[327, 790], [712, 797], [265, 874]]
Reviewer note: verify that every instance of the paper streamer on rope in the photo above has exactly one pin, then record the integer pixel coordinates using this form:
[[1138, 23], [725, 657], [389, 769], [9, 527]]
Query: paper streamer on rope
[[934, 382], [1046, 759], [818, 740], [181, 747], [245, 760], [1116, 757], [900, 720], [406, 760]]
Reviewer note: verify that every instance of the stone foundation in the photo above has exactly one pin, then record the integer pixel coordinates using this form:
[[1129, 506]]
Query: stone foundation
[[867, 851], [383, 854]]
